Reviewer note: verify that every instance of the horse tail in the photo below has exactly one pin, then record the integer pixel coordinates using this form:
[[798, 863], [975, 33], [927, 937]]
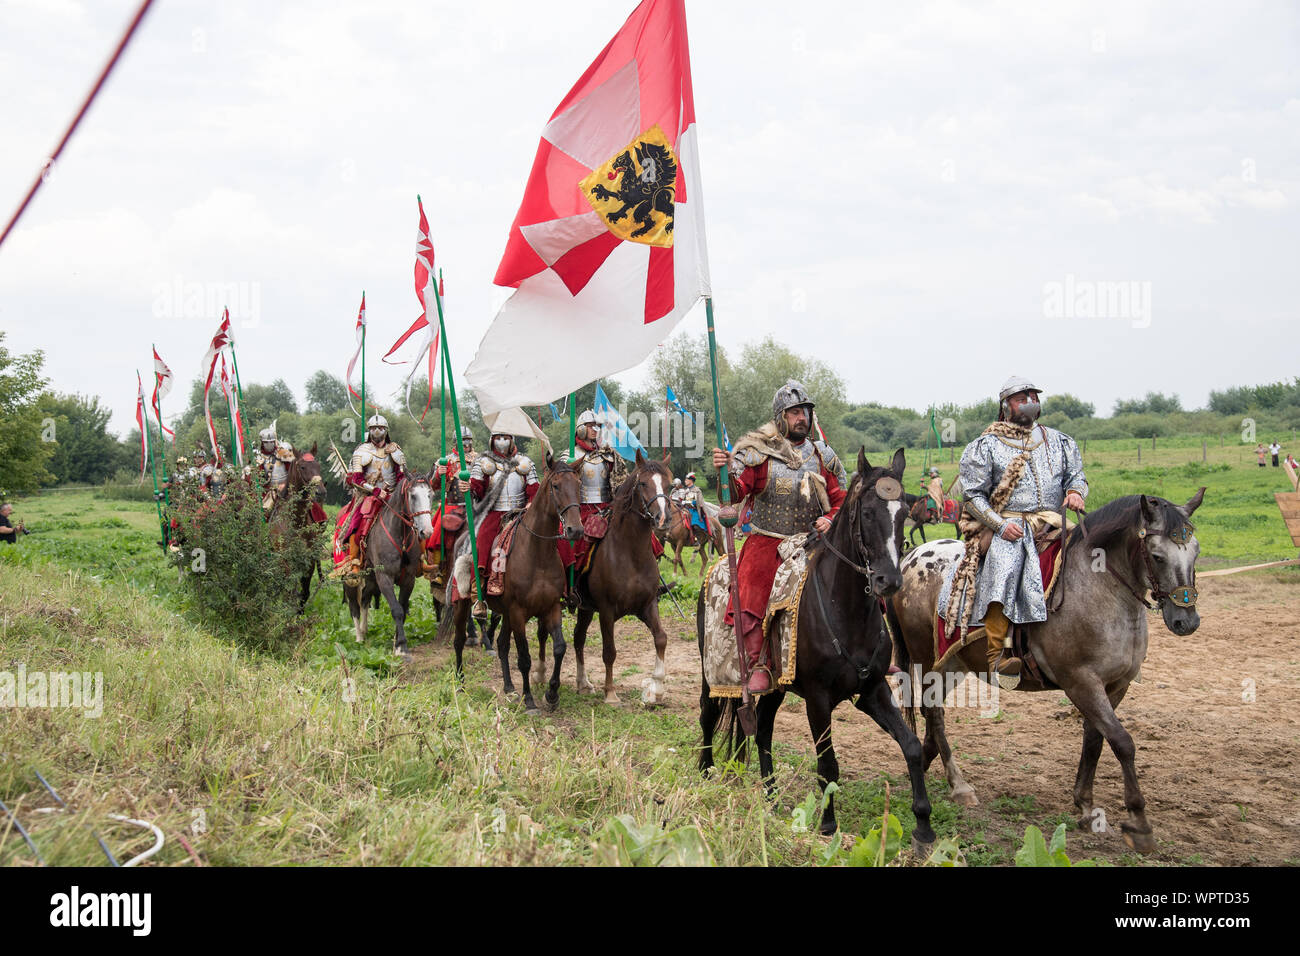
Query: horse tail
[[734, 744], [902, 658]]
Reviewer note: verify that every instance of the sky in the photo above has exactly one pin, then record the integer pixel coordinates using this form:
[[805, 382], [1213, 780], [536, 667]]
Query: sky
[[929, 197]]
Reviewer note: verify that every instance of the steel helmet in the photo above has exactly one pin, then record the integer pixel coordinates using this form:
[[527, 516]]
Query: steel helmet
[[789, 395], [587, 418], [268, 433], [377, 421], [1016, 383], [466, 434]]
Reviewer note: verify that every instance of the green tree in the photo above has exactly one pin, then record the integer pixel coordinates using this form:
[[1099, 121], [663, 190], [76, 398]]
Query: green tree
[[24, 448], [83, 449], [1069, 405], [326, 393]]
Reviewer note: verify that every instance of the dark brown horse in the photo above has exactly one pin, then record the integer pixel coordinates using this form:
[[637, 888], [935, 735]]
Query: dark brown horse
[[624, 575], [292, 511], [1092, 647], [842, 648], [681, 534], [534, 582]]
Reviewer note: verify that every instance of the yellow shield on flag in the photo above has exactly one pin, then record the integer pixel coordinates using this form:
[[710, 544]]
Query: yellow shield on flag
[[634, 191]]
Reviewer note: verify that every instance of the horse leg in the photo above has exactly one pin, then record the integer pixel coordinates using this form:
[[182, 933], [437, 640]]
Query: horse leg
[[767, 707], [654, 692], [936, 742], [523, 662], [399, 613], [503, 652], [878, 704], [360, 608], [579, 644], [489, 635], [1092, 741], [539, 665], [710, 711], [608, 654], [555, 625], [828, 768], [1099, 709], [460, 615]]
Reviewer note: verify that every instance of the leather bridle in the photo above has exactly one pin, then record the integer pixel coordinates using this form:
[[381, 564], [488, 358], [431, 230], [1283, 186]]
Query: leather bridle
[[1180, 595]]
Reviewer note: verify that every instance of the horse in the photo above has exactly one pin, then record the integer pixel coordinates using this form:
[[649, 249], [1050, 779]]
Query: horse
[[842, 648], [292, 509], [393, 548], [681, 534], [534, 581], [1092, 646], [623, 577]]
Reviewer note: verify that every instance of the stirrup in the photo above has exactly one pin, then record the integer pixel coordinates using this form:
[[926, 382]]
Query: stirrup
[[1008, 670], [479, 611]]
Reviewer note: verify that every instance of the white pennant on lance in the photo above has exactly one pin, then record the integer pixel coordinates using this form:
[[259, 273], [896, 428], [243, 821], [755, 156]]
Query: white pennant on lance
[[208, 367]]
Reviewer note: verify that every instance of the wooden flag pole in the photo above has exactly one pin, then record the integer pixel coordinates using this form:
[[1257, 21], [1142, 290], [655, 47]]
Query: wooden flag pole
[[727, 517]]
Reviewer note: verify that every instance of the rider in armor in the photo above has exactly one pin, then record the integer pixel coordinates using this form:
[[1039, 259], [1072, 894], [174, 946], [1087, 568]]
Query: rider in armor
[[377, 466], [506, 481], [935, 493], [693, 502], [600, 470], [678, 493], [797, 485], [1016, 476], [273, 458], [442, 543]]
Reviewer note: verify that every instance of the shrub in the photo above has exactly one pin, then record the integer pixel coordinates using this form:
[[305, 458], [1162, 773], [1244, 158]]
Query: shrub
[[243, 574]]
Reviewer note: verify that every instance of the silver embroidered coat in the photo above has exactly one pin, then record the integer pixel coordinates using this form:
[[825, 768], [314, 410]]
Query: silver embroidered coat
[[1009, 572]]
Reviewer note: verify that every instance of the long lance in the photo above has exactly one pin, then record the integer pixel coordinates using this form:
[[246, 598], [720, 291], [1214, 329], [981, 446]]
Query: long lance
[[363, 370], [153, 467], [442, 452], [167, 495], [727, 517], [573, 455], [460, 445], [240, 390]]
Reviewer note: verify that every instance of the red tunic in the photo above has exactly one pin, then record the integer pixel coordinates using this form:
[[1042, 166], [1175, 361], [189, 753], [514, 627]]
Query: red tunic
[[486, 532], [756, 568]]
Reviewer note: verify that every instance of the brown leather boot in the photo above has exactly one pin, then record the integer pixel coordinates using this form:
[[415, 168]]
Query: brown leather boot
[[352, 569], [1001, 663]]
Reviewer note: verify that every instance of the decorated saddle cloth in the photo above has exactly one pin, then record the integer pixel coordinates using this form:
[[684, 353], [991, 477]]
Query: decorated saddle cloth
[[780, 621], [500, 554]]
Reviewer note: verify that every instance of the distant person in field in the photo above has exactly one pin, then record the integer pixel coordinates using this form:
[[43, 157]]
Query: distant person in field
[[1275, 449], [8, 533], [1259, 454]]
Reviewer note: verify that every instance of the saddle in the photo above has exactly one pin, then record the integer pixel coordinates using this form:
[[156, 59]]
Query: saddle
[[499, 555]]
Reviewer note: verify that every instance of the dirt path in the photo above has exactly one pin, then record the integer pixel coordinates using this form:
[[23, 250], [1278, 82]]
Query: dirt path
[[1216, 720]]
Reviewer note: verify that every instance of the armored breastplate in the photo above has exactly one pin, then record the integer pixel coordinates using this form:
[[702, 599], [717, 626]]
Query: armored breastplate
[[512, 497], [780, 507], [1039, 487], [594, 486], [279, 473]]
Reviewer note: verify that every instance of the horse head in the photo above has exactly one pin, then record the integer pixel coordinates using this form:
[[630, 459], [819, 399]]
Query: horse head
[[417, 504], [652, 479], [305, 476], [875, 520], [563, 485], [1166, 536]]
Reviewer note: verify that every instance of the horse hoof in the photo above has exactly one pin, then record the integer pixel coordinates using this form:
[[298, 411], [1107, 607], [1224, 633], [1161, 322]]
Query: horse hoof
[[586, 688], [965, 798], [613, 701], [922, 849], [1143, 843], [533, 711], [828, 827]]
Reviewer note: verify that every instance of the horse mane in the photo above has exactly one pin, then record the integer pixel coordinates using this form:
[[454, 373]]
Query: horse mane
[[1112, 520]]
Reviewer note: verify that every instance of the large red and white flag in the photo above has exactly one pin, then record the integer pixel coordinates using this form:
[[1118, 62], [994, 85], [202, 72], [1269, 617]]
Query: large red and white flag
[[231, 393], [162, 385], [428, 291], [607, 252], [141, 419], [208, 369]]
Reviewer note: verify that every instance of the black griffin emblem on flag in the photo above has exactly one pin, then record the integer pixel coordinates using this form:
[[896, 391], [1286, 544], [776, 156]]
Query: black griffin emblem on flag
[[635, 192]]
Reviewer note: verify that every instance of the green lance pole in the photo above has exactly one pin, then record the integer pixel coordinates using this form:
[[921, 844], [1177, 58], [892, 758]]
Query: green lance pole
[[442, 453], [460, 445], [363, 370], [727, 517], [239, 389], [153, 467]]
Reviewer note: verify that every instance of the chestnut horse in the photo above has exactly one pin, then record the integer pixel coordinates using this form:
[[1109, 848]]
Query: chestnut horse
[[534, 582], [624, 575]]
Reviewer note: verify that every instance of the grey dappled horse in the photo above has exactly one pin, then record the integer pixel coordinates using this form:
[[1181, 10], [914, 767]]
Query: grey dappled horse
[[393, 549], [1092, 647]]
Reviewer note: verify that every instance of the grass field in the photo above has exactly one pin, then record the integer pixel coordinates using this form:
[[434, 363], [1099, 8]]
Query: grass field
[[337, 756]]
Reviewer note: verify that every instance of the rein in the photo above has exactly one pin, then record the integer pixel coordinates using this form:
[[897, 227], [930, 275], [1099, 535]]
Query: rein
[[409, 523], [550, 489], [1189, 594]]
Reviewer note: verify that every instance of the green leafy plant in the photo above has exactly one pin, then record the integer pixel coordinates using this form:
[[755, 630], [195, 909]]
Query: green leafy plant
[[1035, 851], [624, 842]]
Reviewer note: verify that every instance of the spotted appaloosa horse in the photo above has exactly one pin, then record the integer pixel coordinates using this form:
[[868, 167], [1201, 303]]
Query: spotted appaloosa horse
[[1092, 647]]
